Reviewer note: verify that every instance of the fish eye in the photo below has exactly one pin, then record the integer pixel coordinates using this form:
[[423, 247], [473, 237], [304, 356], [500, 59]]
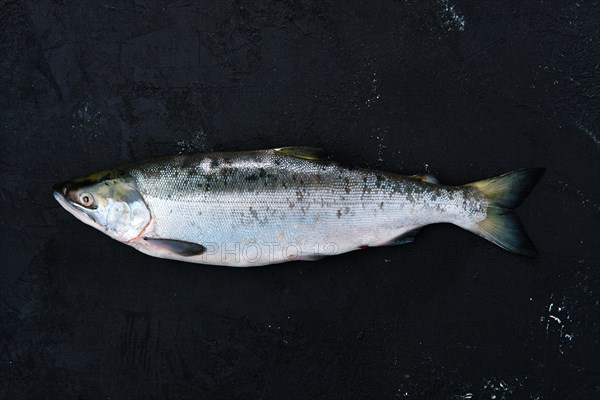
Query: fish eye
[[86, 199]]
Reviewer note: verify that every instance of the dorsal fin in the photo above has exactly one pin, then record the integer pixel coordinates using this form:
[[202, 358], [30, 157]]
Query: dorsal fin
[[303, 152], [425, 178]]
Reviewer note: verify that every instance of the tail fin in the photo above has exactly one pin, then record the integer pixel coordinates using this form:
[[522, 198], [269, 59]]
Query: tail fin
[[504, 193]]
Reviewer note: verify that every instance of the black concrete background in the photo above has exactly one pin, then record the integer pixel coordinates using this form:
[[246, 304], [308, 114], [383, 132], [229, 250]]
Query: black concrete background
[[464, 90]]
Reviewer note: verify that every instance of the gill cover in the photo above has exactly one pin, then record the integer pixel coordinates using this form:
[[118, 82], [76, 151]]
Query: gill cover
[[108, 201]]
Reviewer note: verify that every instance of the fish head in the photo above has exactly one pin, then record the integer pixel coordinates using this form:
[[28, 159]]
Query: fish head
[[108, 201]]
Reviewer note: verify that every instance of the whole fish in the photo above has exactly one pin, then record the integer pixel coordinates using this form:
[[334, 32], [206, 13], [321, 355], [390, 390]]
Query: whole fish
[[293, 203]]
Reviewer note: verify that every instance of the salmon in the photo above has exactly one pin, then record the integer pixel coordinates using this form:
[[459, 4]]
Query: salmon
[[262, 207]]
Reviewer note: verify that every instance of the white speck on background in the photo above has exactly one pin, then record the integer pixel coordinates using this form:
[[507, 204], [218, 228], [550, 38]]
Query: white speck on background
[[374, 95], [196, 144], [588, 133], [585, 199], [86, 119], [452, 19], [367, 82], [87, 113], [495, 388], [558, 323], [379, 135]]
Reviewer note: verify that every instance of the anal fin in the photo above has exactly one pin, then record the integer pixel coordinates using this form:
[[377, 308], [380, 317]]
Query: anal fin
[[308, 257], [407, 237]]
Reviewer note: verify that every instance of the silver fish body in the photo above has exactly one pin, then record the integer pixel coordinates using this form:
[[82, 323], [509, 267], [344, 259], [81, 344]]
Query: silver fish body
[[270, 206]]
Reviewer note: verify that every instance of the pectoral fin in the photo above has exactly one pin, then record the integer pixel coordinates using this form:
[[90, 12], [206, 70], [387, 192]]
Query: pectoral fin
[[178, 247]]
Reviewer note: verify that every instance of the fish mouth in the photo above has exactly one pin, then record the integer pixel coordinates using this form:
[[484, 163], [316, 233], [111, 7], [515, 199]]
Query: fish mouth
[[59, 190], [59, 197], [60, 194]]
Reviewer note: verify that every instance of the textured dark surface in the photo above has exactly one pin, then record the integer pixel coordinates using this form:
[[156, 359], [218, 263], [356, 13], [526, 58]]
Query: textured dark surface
[[465, 90]]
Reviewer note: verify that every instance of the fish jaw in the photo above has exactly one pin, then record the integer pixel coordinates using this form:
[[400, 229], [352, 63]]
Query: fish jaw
[[59, 192]]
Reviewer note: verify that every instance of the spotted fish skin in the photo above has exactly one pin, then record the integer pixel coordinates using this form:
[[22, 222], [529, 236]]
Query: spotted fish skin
[[270, 206]]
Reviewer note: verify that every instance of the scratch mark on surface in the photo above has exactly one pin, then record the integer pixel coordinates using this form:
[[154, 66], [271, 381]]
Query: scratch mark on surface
[[562, 316], [555, 318]]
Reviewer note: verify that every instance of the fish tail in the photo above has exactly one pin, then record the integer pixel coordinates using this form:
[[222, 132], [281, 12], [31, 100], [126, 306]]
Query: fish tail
[[504, 193]]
